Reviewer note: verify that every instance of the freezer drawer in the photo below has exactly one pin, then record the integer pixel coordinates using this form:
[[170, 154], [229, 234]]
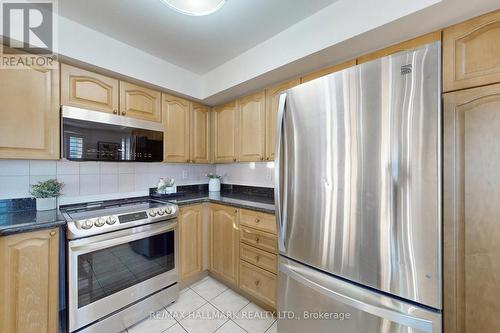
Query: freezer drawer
[[339, 306]]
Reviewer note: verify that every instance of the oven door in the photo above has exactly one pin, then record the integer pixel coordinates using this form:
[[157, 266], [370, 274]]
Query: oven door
[[109, 271]]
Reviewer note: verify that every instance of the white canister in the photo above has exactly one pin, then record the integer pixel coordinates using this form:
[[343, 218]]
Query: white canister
[[214, 185], [46, 203]]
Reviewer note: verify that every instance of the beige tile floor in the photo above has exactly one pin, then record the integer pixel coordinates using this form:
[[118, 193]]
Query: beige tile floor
[[205, 307]]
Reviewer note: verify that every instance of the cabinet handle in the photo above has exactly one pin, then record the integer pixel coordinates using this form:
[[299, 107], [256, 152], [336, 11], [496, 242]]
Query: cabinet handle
[[257, 239], [257, 282], [123, 113], [115, 112], [52, 233]]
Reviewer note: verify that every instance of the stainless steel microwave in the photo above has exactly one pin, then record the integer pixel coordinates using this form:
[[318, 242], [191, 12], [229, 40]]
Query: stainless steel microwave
[[98, 136]]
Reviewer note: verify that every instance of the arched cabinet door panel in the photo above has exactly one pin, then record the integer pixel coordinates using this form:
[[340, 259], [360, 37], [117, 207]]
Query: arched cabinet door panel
[[139, 102]]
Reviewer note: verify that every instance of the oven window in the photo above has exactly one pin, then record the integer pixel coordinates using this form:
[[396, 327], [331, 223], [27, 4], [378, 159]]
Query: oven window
[[105, 272]]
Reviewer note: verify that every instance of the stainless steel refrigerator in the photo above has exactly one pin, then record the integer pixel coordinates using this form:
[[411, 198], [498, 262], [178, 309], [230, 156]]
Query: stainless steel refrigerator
[[358, 199]]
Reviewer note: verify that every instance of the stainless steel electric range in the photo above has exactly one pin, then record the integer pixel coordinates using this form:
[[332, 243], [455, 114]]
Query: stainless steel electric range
[[122, 262]]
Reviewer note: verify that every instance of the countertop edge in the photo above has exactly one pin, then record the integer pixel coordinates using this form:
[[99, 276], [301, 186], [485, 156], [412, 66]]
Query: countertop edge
[[225, 203], [28, 227]]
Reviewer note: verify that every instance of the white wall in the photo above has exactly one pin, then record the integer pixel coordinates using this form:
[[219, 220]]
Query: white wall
[[87, 181], [252, 174]]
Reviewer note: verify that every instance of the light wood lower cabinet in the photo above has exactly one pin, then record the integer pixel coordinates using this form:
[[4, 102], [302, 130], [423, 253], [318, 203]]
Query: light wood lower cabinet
[[29, 116], [224, 243], [85, 89], [190, 223], [471, 210], [139, 102], [258, 283], [29, 282]]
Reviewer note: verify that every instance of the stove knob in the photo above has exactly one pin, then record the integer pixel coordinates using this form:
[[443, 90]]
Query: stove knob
[[152, 213], [100, 222], [160, 211], [111, 220], [169, 210], [87, 224]]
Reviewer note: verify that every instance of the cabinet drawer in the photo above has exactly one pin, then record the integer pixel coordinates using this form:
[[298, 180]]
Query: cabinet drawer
[[263, 259], [258, 220], [259, 283], [259, 239]]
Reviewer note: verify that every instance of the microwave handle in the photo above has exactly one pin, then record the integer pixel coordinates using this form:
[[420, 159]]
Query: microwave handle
[[103, 241]]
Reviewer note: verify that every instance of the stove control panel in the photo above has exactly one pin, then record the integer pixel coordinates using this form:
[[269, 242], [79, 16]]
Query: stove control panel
[[102, 224]]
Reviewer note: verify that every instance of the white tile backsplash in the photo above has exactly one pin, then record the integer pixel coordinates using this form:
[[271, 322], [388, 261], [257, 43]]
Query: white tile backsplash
[[87, 181], [250, 174]]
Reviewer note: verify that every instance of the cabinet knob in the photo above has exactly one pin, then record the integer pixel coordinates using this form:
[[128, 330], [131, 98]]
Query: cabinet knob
[[257, 282], [257, 220], [257, 239], [123, 113], [262, 158], [235, 211], [115, 112], [267, 158], [187, 161], [257, 258], [52, 233], [234, 160]]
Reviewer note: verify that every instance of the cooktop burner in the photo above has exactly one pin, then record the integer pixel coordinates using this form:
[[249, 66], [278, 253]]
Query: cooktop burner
[[105, 216]]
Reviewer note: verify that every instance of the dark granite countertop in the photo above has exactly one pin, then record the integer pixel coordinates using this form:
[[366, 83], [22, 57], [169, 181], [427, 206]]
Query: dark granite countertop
[[20, 215], [254, 198]]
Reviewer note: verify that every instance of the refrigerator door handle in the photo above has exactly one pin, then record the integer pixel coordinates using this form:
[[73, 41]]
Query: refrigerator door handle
[[278, 190], [382, 308]]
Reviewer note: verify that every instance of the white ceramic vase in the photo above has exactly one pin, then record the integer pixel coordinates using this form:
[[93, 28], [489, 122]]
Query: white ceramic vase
[[46, 203], [214, 185]]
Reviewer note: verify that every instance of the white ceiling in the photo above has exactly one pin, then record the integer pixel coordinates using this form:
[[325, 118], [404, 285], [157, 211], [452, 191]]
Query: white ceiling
[[198, 44]]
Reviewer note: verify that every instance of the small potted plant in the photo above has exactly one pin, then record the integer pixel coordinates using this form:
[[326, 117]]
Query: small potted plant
[[46, 194], [213, 182]]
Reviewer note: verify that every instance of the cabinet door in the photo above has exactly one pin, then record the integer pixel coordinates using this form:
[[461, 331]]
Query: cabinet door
[[328, 70], [252, 127], [200, 134], [471, 53], [471, 234], [259, 283], [176, 119], [403, 46], [85, 89], [224, 243], [272, 100], [29, 116], [29, 282], [139, 102], [190, 241], [226, 133]]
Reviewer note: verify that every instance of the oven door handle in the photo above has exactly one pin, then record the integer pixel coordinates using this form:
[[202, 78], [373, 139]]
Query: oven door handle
[[103, 241]]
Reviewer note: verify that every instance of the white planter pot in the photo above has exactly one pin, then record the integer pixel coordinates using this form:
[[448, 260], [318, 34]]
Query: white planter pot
[[46, 203], [214, 185]]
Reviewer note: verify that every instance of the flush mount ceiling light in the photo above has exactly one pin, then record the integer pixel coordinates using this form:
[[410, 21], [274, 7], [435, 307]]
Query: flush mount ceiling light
[[195, 7]]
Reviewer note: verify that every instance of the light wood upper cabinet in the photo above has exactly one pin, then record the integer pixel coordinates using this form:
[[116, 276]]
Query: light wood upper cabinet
[[252, 126], [328, 70], [139, 102], [225, 122], [471, 232], [272, 100], [200, 134], [85, 89], [29, 282], [471, 53], [224, 243], [190, 241], [29, 116], [176, 119], [403, 46]]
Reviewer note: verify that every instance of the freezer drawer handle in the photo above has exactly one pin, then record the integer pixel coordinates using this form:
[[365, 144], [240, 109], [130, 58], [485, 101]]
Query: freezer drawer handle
[[398, 317]]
